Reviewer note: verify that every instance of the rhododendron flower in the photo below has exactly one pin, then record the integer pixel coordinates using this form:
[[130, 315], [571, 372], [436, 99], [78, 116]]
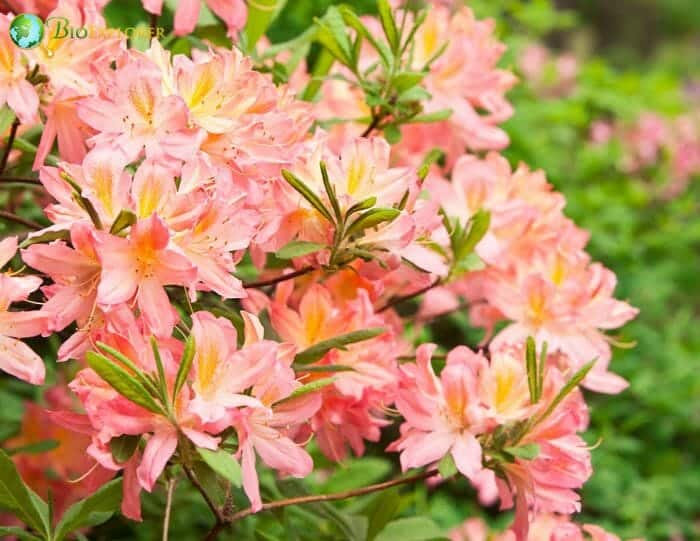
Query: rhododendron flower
[[16, 357], [15, 91], [140, 266], [443, 414]]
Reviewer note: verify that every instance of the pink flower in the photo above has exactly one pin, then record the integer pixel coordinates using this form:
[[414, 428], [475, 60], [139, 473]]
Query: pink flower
[[16, 357], [141, 265], [443, 415], [233, 12]]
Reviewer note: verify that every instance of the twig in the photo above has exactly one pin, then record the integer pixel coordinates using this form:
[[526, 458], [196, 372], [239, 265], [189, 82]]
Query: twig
[[31, 224], [300, 500], [398, 300], [8, 147], [168, 507], [278, 279], [20, 180], [214, 509], [372, 125]]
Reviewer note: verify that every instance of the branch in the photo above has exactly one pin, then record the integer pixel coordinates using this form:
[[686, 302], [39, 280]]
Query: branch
[[376, 119], [31, 224], [20, 180], [278, 279], [168, 507], [398, 300], [214, 509], [10, 142]]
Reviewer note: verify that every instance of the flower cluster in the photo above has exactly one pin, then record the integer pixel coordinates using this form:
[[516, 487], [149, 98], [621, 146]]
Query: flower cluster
[[178, 178]]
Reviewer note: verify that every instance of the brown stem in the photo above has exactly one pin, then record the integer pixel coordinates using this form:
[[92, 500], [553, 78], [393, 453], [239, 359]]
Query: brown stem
[[214, 509], [168, 508], [372, 125], [398, 300], [278, 279], [299, 500], [31, 224], [20, 180], [8, 147], [154, 21]]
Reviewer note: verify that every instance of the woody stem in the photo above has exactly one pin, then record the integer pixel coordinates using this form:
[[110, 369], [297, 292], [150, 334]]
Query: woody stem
[[8, 147]]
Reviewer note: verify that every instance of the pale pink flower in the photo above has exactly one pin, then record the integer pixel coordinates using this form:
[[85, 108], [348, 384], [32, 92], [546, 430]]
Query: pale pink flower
[[233, 12]]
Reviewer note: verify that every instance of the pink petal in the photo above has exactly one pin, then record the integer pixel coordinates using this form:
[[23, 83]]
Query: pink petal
[[159, 449]]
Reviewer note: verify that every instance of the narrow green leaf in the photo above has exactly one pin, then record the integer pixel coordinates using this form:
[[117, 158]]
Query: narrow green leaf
[[124, 219], [19, 533], [357, 473], [531, 365], [352, 20], [261, 13], [480, 223], [372, 218], [529, 451], [388, 24], [123, 382], [330, 191], [384, 507], [19, 499], [415, 93], [428, 118], [123, 447], [540, 369], [49, 236], [306, 192], [322, 66], [315, 352], [222, 463], [433, 156], [162, 382], [362, 205], [33, 448], [298, 248], [392, 134], [312, 387], [333, 35], [137, 373], [566, 389], [183, 370], [323, 368], [93, 510]]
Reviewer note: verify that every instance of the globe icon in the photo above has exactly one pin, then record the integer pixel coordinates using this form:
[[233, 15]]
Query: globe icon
[[26, 30]]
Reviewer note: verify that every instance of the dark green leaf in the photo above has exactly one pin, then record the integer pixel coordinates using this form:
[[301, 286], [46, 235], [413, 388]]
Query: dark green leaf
[[124, 219], [354, 21], [7, 117], [19, 533], [392, 133], [388, 24], [531, 365], [322, 368], [260, 14], [384, 507], [411, 529], [309, 388], [427, 118], [433, 156], [32, 448], [447, 467], [49, 236], [19, 499], [357, 473], [407, 79], [529, 451], [123, 447], [566, 389], [93, 510], [315, 352], [183, 370]]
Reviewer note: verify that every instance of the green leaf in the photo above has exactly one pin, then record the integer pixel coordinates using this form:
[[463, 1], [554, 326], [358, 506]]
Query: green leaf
[[137, 373], [322, 66], [362, 205], [123, 382], [436, 116], [315, 352], [322, 368], [49, 236], [566, 389], [93, 510], [433, 157], [531, 365], [447, 466], [372, 218], [528, 451], [351, 19], [124, 219], [388, 24], [330, 192], [20, 500], [356, 473], [333, 35], [223, 463], [32, 448], [162, 382], [309, 388], [306, 192], [540, 369], [298, 248], [261, 13], [123, 447], [411, 529], [7, 117], [392, 134], [415, 93], [384, 507], [407, 79], [185, 366], [19, 533], [480, 223]]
